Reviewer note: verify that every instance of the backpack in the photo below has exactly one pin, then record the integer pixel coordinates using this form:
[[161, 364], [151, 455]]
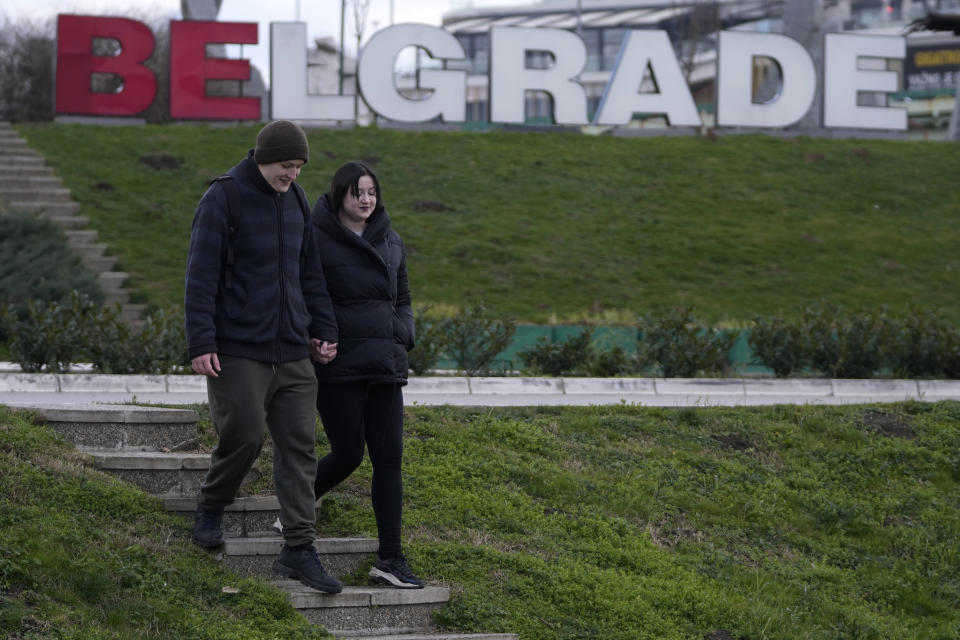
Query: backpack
[[235, 206]]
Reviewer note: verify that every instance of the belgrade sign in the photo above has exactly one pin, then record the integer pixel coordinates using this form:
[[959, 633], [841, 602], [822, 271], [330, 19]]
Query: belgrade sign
[[845, 76]]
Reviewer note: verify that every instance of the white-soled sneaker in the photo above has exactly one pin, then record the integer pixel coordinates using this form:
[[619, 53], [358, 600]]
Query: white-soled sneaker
[[395, 572]]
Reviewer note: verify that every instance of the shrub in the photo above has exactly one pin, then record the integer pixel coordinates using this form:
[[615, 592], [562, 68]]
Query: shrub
[[52, 336], [846, 345], [49, 335], [474, 338], [607, 363], [156, 346], [683, 347], [37, 264], [567, 357], [924, 344], [429, 344], [779, 345]]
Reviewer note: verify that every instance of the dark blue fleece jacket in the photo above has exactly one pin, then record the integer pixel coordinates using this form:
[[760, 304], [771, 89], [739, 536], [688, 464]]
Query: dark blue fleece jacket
[[269, 307]]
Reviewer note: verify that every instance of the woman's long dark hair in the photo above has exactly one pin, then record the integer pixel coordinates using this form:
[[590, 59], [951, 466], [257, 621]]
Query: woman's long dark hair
[[347, 178]]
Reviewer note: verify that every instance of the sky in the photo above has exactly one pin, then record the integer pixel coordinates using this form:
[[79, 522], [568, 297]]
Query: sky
[[322, 16]]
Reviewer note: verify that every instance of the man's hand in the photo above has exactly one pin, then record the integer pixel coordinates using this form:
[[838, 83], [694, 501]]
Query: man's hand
[[322, 351], [207, 365]]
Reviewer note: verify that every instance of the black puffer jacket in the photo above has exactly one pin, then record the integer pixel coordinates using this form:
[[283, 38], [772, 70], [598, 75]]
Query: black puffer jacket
[[366, 277]]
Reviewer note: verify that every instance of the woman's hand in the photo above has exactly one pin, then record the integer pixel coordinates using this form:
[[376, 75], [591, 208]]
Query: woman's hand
[[322, 351]]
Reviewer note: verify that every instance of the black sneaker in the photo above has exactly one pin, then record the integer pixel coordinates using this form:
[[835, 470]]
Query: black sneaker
[[206, 528], [301, 563], [396, 572]]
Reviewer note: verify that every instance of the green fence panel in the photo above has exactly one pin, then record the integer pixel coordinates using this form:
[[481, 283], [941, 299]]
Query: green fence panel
[[604, 337]]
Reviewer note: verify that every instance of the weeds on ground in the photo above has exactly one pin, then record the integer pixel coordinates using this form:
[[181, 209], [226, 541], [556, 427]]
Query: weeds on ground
[[83, 555], [630, 523]]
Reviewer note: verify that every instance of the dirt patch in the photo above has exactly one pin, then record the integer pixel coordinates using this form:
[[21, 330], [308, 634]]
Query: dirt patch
[[430, 206], [672, 530], [371, 160], [861, 152], [720, 634], [889, 424], [102, 185], [160, 161], [813, 158], [733, 442]]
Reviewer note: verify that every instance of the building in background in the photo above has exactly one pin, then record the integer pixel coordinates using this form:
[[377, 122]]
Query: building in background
[[693, 27]]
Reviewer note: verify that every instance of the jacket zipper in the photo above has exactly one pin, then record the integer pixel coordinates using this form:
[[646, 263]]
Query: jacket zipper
[[283, 293]]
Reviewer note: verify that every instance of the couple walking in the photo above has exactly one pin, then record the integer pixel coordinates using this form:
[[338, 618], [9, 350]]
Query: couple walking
[[289, 311]]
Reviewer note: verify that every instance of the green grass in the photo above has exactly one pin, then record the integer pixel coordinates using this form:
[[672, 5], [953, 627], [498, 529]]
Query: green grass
[[555, 227], [614, 522], [85, 556]]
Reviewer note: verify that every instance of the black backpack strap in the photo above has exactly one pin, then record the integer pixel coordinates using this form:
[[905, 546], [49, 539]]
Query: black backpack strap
[[234, 207], [305, 210]]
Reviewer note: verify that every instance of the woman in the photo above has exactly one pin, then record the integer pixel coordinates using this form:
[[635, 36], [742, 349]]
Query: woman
[[359, 398]]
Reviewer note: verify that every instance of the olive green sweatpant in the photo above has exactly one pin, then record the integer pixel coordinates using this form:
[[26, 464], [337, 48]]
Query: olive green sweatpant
[[248, 397]]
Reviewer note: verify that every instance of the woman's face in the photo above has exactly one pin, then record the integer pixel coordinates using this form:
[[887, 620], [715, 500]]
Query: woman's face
[[356, 209]]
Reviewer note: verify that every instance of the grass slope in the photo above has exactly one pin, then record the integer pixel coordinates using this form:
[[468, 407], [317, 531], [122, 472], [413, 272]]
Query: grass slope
[[612, 523], [86, 556], [569, 227]]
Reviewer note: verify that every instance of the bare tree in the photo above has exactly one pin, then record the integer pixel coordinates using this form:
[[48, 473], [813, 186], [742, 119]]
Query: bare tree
[[361, 8], [26, 70]]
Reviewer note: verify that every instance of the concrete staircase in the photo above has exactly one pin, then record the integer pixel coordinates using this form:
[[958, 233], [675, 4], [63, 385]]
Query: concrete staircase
[[27, 184], [151, 448]]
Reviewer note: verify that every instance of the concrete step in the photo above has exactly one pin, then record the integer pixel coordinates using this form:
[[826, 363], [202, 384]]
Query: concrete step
[[30, 194], [253, 557], [27, 180], [69, 222], [112, 280], [364, 610], [119, 426], [133, 313], [11, 143], [98, 264], [19, 170], [82, 237], [45, 209], [15, 148], [157, 472], [26, 158], [93, 251], [116, 296], [247, 517]]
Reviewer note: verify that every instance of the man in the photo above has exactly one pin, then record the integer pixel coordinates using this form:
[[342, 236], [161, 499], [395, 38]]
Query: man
[[257, 308]]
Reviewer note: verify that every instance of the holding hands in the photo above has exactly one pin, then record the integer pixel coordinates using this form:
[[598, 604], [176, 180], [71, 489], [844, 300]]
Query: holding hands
[[322, 351]]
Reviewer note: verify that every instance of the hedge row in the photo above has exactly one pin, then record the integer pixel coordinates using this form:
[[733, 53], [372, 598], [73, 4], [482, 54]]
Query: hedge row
[[824, 341]]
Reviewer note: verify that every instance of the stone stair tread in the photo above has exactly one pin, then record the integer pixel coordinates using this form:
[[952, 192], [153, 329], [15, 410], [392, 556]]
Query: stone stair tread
[[246, 503], [70, 222], [270, 545], [114, 413], [120, 459], [56, 194], [54, 208], [30, 179], [302, 596]]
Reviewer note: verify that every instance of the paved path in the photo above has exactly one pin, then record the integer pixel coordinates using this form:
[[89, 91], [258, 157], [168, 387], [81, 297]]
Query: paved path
[[20, 389]]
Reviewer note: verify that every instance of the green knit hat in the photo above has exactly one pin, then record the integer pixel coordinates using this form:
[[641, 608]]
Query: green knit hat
[[281, 140]]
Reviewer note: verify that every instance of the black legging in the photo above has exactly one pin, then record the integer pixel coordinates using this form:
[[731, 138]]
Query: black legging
[[358, 413]]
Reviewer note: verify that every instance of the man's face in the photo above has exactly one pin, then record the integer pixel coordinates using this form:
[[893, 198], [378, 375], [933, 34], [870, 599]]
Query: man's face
[[280, 175]]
